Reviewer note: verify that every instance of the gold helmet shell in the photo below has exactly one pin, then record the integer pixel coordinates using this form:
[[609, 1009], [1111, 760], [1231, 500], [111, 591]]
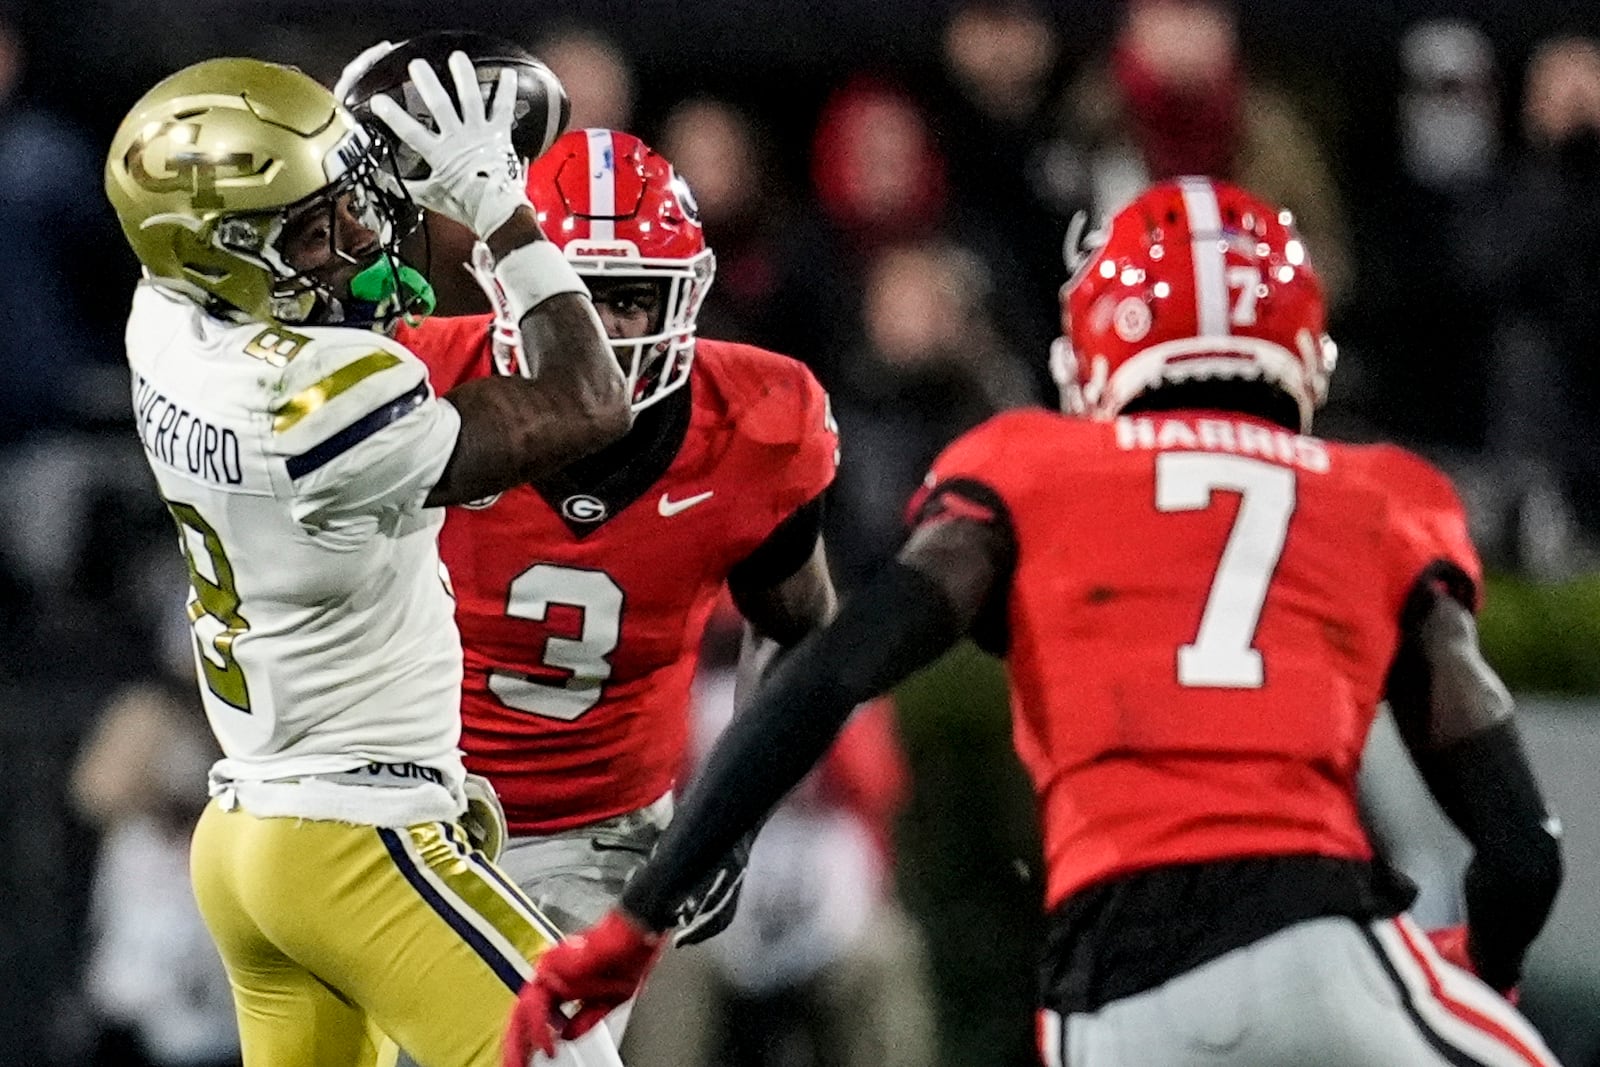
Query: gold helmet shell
[[203, 169]]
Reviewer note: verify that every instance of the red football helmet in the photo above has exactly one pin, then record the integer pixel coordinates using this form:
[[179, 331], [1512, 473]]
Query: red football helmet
[[1195, 279], [618, 210]]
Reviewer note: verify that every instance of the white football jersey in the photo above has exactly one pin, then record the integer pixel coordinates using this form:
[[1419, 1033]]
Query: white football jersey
[[295, 463]]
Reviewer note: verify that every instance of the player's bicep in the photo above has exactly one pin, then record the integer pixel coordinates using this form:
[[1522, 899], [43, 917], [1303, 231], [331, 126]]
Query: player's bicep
[[783, 588], [963, 541], [786, 610], [1440, 687]]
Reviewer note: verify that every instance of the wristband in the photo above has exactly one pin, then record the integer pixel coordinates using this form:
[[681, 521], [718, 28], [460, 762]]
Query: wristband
[[525, 278], [532, 274]]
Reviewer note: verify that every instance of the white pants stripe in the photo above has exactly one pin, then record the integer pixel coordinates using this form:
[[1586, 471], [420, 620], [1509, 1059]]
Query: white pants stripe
[[1329, 992], [1455, 1007], [1050, 1035]]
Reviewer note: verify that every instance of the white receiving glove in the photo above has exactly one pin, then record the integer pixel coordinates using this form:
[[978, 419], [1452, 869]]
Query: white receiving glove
[[474, 175], [359, 66]]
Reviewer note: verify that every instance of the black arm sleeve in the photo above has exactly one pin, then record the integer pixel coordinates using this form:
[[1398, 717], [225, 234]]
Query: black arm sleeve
[[897, 624], [1455, 719], [1485, 786]]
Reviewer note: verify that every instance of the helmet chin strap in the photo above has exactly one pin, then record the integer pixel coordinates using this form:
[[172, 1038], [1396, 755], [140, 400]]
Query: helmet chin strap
[[383, 281]]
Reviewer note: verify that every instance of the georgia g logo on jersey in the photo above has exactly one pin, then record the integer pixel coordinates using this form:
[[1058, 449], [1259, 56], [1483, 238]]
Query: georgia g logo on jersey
[[581, 507]]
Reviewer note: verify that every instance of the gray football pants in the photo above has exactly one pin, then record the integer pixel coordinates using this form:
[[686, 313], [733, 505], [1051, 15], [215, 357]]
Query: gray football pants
[[1325, 993]]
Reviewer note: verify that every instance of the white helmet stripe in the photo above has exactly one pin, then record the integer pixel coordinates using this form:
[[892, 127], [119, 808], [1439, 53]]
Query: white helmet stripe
[[552, 90], [602, 184], [1205, 229]]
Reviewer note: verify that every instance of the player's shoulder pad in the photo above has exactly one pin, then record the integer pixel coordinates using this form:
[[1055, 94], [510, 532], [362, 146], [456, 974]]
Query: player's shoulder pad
[[773, 399], [1425, 512], [336, 379], [1410, 480], [1006, 442], [454, 348]]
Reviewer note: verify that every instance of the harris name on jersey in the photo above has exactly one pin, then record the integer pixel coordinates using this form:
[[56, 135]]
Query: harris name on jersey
[[1239, 436], [183, 440]]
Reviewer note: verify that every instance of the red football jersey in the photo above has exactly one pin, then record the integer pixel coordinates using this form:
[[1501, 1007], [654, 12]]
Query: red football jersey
[[1202, 614], [581, 637]]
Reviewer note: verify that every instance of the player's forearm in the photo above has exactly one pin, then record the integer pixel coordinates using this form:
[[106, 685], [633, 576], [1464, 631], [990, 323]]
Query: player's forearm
[[571, 401], [1456, 719], [538, 287], [1486, 787], [896, 625], [513, 431]]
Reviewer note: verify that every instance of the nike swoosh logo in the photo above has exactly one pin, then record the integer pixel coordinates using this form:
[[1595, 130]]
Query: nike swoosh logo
[[669, 507]]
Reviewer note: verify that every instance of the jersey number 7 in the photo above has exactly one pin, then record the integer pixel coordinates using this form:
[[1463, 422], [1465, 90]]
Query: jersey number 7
[[1222, 654]]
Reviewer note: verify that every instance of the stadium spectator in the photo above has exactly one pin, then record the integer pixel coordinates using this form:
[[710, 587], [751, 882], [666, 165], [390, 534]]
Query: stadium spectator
[[154, 981], [1447, 141], [596, 72], [931, 367], [777, 283], [1531, 252], [881, 179], [1003, 73], [1174, 98]]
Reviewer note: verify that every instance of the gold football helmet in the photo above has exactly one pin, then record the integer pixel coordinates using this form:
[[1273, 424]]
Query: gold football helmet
[[211, 164]]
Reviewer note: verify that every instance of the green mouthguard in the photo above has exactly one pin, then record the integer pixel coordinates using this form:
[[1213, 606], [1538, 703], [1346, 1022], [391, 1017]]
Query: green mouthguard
[[376, 284]]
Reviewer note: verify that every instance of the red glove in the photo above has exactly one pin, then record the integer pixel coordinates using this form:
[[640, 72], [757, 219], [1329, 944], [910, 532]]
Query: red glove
[[1451, 943], [598, 969]]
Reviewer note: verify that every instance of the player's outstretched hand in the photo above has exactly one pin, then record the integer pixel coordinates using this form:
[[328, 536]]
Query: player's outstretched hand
[[1450, 943], [596, 970], [474, 175]]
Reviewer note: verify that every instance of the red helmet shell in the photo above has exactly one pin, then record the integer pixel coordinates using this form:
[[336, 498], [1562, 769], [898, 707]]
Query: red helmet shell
[[1195, 279], [617, 209], [600, 186]]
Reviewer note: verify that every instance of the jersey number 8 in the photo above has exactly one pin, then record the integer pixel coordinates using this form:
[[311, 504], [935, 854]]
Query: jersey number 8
[[215, 606]]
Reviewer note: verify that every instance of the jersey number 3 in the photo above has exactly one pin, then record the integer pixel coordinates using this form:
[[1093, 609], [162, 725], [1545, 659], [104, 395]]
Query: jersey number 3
[[582, 659], [1222, 654]]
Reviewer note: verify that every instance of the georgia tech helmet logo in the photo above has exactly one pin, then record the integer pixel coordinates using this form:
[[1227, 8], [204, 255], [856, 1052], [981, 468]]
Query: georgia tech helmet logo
[[170, 147]]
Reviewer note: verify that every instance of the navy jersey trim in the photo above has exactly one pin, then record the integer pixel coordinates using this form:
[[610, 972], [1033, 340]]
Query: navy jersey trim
[[346, 439]]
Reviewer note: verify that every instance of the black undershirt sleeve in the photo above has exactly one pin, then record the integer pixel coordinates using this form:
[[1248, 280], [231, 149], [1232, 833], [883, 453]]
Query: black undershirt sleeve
[[897, 624], [784, 552]]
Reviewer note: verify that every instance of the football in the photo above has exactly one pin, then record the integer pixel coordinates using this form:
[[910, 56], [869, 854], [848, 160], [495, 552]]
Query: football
[[542, 109]]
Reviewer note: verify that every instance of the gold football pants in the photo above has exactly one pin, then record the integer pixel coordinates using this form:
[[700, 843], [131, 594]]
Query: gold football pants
[[327, 927]]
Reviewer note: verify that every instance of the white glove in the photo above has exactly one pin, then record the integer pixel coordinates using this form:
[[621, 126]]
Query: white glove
[[484, 820], [357, 67], [474, 175]]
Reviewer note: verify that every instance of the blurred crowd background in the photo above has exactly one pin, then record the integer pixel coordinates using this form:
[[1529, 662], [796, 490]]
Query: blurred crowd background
[[887, 186]]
